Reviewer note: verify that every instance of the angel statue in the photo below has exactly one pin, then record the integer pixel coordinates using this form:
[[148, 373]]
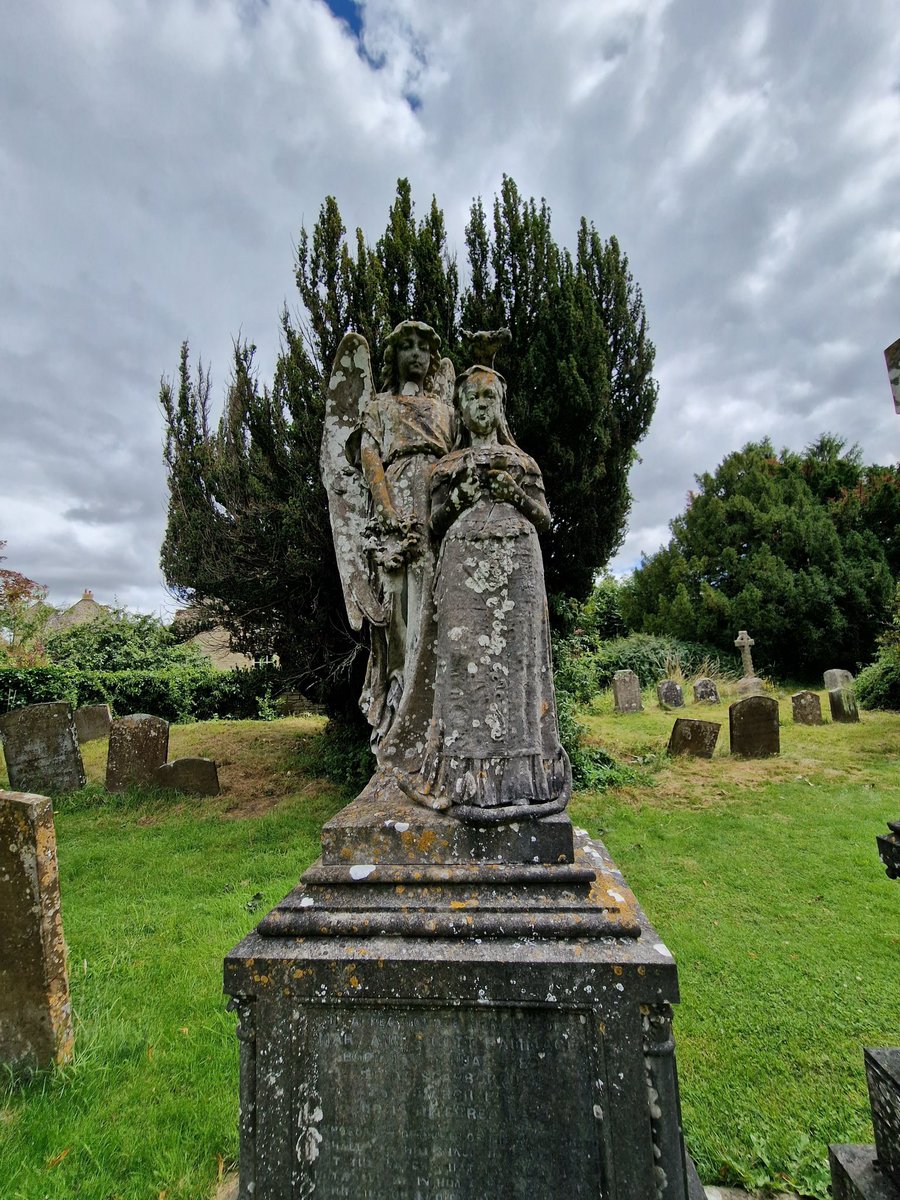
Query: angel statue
[[378, 450], [492, 751]]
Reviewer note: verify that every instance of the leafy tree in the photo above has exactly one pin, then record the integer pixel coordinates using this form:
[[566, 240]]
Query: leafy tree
[[248, 535], [768, 544], [23, 615], [120, 641]]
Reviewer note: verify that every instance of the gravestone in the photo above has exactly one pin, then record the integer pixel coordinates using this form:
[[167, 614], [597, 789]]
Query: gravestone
[[843, 706], [138, 744], [749, 684], [626, 692], [889, 849], [669, 694], [706, 692], [41, 749], [692, 737], [195, 776], [806, 708], [92, 722], [836, 678], [35, 1010], [753, 727]]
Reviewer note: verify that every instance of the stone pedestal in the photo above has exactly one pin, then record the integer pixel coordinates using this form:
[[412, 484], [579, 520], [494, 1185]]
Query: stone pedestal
[[856, 1175], [445, 1011]]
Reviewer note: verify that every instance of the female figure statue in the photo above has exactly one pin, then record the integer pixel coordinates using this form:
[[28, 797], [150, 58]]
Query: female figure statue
[[493, 751], [377, 455]]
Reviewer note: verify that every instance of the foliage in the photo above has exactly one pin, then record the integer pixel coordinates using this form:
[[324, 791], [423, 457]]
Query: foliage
[[778, 545], [248, 535], [120, 641], [878, 684], [23, 616], [179, 693], [585, 672]]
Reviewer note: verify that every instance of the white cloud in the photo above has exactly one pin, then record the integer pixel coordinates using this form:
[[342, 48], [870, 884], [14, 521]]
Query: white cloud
[[158, 159]]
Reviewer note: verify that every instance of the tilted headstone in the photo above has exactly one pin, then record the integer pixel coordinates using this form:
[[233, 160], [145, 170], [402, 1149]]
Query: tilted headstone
[[669, 694], [195, 776], [137, 746], [696, 738], [35, 1010], [626, 692], [92, 722], [807, 708], [838, 679], [706, 692], [753, 727], [843, 706], [41, 749]]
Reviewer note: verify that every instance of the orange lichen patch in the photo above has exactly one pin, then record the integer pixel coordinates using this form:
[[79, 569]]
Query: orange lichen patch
[[426, 840]]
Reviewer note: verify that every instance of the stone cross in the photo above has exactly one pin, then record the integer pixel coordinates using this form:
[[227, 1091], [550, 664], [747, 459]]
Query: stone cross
[[744, 641]]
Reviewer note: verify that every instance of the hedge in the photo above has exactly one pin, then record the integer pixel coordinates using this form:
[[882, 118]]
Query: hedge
[[176, 694], [583, 673]]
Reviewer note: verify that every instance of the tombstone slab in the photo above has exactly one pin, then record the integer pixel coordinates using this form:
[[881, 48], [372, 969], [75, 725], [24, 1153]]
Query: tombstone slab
[[41, 749], [137, 746], [753, 727], [92, 722], [195, 776], [806, 708], [35, 1010], [669, 694], [626, 692], [695, 738], [843, 706], [838, 679], [706, 692]]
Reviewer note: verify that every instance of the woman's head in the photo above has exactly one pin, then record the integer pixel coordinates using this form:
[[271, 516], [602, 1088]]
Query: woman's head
[[410, 353], [481, 403]]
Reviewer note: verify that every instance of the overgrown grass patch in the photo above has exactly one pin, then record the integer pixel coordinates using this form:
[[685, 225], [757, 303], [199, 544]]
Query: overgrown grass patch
[[762, 877]]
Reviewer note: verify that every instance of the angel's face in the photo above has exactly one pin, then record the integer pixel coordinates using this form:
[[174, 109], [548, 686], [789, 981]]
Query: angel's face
[[479, 403], [413, 357]]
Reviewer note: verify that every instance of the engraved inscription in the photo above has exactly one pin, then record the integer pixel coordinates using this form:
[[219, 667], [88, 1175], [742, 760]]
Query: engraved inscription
[[449, 1104]]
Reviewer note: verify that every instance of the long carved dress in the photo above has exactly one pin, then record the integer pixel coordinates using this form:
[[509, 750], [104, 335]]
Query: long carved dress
[[493, 741], [411, 433]]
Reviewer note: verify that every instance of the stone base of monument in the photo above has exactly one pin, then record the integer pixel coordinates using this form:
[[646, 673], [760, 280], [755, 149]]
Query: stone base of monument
[[856, 1175], [441, 1011]]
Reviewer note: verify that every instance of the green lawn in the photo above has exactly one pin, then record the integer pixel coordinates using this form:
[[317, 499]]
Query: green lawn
[[761, 877]]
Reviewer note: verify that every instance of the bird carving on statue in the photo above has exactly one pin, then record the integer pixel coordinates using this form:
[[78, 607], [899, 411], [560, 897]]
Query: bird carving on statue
[[484, 344]]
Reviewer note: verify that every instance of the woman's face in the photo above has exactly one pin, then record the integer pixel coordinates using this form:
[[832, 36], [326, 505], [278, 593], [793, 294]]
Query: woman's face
[[413, 356], [479, 403]]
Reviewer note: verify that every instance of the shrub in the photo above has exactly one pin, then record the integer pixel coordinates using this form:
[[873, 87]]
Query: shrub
[[878, 685], [583, 672]]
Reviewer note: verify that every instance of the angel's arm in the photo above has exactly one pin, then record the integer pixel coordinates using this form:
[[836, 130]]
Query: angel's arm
[[376, 480], [529, 498]]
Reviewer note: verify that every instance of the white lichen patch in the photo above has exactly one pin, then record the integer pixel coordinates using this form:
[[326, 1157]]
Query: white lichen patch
[[362, 871]]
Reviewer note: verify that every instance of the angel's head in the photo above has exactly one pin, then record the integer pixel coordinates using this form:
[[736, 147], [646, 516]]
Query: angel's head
[[481, 404], [410, 355]]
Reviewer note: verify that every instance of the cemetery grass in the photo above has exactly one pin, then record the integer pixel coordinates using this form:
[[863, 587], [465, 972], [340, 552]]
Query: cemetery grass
[[762, 878]]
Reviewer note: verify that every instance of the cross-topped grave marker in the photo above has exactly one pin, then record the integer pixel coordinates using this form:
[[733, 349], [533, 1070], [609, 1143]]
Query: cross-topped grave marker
[[750, 684], [744, 641]]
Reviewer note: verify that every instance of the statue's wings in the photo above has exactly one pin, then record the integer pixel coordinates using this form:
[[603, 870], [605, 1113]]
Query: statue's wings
[[445, 380], [349, 388]]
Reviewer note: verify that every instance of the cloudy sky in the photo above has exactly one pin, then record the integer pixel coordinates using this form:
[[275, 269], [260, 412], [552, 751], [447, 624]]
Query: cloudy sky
[[157, 159]]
